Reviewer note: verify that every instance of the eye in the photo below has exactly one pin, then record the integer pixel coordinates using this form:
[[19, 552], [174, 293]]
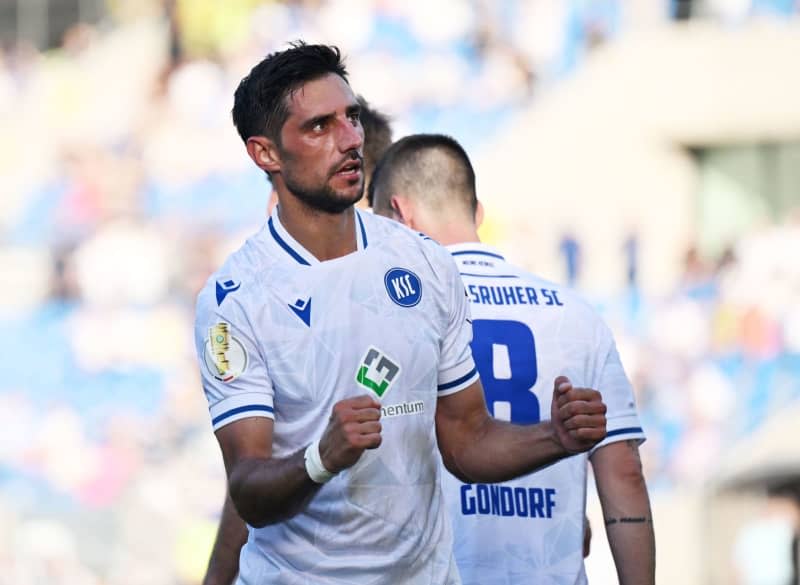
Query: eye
[[318, 126], [354, 117]]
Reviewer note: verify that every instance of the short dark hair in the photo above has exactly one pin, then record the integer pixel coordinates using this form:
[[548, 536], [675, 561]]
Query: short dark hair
[[260, 107], [377, 136], [431, 167]]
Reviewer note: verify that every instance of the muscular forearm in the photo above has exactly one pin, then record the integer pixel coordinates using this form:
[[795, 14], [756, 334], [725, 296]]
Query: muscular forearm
[[626, 510], [266, 491], [223, 566], [500, 451]]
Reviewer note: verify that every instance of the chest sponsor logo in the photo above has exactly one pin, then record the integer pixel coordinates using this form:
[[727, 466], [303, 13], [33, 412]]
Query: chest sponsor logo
[[377, 371], [225, 356], [403, 286], [403, 409]]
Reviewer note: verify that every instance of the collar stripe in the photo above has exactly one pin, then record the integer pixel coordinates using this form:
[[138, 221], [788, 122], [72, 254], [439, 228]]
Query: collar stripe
[[488, 275], [363, 231], [286, 246], [479, 253]]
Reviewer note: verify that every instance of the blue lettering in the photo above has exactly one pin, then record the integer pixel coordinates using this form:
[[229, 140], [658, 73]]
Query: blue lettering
[[475, 298], [532, 298], [555, 296], [537, 503], [550, 495], [497, 298], [495, 491], [485, 295], [518, 292], [483, 499], [508, 293], [521, 501], [506, 501], [546, 294], [502, 500], [467, 500]]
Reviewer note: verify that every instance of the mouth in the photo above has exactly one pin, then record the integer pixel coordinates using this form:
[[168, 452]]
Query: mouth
[[350, 170]]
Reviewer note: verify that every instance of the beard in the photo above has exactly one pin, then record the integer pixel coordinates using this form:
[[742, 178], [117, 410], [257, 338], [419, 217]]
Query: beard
[[322, 197]]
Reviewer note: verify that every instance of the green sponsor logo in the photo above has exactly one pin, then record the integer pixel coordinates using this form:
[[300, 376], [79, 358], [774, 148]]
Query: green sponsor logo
[[377, 371]]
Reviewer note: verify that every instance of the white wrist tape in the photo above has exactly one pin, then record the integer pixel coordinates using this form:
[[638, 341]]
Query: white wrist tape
[[314, 467]]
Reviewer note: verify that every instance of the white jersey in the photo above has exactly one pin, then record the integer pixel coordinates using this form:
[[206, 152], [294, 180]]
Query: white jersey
[[284, 336], [528, 331]]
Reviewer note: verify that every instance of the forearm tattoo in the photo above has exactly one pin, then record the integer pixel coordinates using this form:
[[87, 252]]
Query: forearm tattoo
[[627, 520]]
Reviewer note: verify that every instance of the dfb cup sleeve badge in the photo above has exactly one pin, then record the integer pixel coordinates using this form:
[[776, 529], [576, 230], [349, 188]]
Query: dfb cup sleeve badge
[[225, 356], [404, 287]]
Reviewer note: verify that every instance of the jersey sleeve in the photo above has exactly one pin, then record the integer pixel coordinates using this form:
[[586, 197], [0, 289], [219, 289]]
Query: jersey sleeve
[[233, 371], [613, 384], [457, 369]]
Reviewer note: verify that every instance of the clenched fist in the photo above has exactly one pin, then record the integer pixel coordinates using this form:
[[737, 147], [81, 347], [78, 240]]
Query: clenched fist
[[353, 427], [578, 416]]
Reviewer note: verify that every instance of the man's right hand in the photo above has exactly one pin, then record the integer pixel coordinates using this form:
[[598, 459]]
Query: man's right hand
[[353, 427], [577, 415]]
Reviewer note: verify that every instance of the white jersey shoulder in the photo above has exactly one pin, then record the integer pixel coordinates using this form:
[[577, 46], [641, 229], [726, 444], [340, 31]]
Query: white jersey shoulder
[[284, 336], [526, 332]]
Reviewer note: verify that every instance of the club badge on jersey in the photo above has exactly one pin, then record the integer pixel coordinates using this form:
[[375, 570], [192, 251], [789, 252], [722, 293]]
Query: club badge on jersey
[[403, 286]]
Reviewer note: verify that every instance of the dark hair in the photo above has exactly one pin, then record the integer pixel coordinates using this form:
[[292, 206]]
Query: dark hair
[[431, 167], [260, 107], [377, 136]]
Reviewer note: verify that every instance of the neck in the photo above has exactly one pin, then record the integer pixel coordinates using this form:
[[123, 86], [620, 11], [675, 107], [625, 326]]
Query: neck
[[325, 235], [448, 234]]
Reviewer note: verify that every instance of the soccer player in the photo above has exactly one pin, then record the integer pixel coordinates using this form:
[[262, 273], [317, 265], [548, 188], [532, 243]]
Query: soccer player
[[223, 565], [334, 354], [526, 329]]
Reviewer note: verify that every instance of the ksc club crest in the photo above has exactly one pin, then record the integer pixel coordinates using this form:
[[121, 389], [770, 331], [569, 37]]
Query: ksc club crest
[[403, 286], [226, 357]]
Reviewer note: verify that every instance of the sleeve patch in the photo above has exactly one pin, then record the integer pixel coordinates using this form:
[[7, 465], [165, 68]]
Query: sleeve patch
[[225, 356]]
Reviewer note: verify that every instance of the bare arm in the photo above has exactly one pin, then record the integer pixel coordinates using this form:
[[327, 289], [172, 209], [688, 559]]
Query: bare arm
[[266, 489], [223, 566], [626, 509], [478, 448]]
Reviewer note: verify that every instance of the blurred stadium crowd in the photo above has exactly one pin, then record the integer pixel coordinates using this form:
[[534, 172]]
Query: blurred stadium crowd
[[123, 184]]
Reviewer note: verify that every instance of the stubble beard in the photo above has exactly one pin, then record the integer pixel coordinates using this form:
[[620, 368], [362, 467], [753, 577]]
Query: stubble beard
[[323, 198]]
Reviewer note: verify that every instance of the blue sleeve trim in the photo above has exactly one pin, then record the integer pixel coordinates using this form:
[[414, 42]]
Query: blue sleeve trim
[[286, 246], [237, 410], [458, 382], [624, 431]]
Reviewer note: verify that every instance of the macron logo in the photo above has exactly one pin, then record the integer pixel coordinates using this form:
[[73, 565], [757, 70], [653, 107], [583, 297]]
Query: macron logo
[[225, 288], [302, 309]]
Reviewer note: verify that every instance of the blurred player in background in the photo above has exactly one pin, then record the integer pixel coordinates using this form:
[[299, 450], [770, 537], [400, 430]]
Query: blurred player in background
[[526, 331], [334, 355], [223, 565]]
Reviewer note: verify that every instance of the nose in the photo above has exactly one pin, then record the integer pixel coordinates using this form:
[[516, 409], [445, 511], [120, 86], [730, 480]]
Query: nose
[[351, 136]]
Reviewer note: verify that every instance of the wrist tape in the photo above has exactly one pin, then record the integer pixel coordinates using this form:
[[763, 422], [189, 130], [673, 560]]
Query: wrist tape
[[314, 467]]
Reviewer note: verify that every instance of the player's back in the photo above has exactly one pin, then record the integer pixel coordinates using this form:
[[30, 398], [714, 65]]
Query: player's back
[[526, 332]]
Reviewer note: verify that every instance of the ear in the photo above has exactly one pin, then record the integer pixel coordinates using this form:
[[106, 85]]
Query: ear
[[264, 153], [403, 210], [478, 214]]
